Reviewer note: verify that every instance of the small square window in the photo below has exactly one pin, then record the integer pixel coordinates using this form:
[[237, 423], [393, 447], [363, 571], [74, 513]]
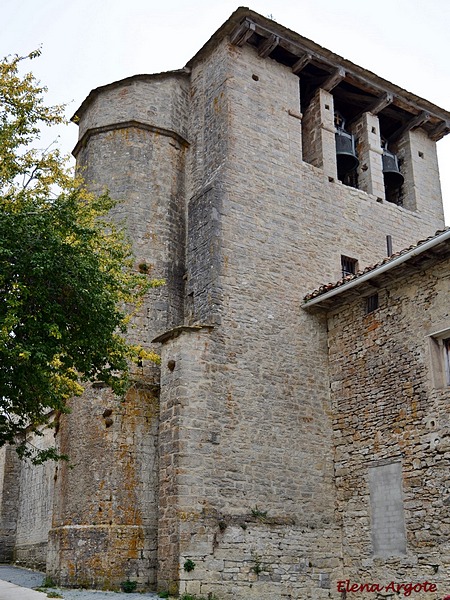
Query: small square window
[[371, 303], [348, 265]]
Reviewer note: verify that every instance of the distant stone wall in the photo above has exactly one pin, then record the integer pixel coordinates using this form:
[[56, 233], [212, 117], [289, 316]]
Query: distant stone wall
[[26, 500], [10, 466], [35, 507], [392, 432]]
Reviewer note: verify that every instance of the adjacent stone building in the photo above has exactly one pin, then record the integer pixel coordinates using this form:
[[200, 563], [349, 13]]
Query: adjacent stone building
[[389, 368], [284, 447]]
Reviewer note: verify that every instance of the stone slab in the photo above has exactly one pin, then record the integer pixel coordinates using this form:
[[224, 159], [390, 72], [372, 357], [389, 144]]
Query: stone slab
[[10, 591]]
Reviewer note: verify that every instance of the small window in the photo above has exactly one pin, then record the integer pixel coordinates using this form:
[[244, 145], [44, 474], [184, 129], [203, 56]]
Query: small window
[[348, 265], [446, 345], [371, 303], [440, 358]]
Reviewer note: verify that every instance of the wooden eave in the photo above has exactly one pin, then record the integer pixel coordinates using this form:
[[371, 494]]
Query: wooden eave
[[301, 54], [396, 106]]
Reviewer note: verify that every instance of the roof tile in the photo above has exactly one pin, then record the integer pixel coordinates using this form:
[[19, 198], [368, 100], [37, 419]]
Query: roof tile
[[330, 286]]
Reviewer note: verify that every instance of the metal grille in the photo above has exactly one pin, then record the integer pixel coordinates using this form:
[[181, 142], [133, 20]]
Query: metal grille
[[348, 265], [371, 303]]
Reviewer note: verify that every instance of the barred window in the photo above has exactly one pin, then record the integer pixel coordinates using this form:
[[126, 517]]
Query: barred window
[[348, 265], [371, 303]]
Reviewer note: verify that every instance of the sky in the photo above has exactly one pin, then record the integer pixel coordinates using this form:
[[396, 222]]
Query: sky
[[89, 43]]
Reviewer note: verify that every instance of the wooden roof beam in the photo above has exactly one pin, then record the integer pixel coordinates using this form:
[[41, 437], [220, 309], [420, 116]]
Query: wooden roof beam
[[439, 131], [304, 60], [334, 79], [380, 103], [418, 120], [268, 45], [375, 108], [242, 33]]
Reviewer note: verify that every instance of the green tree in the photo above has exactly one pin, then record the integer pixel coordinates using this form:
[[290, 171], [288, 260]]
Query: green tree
[[67, 287]]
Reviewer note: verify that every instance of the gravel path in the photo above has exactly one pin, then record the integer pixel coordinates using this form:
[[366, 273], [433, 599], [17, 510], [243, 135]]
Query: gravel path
[[33, 579]]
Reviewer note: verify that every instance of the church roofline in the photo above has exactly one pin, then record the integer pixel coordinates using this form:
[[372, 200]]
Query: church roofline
[[280, 43], [123, 82], [290, 48], [321, 297]]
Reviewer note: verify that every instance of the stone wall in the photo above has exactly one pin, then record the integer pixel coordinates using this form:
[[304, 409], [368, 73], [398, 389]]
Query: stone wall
[[105, 513], [159, 101], [104, 527], [263, 229], [34, 515], [370, 170], [144, 170], [248, 410], [272, 189], [390, 415], [264, 558], [238, 415], [234, 520], [318, 133], [10, 467], [422, 188]]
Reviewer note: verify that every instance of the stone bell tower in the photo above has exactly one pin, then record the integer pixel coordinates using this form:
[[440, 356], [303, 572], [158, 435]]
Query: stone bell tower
[[246, 179]]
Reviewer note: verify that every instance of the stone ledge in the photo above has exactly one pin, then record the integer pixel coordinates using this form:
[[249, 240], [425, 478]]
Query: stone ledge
[[128, 125], [173, 333]]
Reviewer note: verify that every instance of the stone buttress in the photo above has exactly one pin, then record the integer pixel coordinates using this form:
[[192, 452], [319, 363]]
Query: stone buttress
[[104, 529]]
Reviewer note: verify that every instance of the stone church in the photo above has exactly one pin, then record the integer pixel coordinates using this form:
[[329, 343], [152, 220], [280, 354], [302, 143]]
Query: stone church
[[295, 442]]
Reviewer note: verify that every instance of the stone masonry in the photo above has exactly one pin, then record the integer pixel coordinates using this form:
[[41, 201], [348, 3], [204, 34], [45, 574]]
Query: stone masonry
[[239, 455], [391, 426]]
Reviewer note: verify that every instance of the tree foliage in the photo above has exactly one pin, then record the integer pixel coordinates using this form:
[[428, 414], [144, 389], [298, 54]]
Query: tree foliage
[[66, 281]]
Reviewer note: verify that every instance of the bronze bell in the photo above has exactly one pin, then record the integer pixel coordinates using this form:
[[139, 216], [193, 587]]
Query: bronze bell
[[346, 158], [393, 179]]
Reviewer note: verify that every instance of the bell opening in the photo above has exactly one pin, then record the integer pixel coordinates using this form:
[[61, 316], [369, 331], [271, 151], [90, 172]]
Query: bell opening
[[391, 171], [346, 160], [393, 179], [346, 163]]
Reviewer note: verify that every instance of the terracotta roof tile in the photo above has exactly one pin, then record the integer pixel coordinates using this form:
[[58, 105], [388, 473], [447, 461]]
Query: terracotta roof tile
[[330, 286]]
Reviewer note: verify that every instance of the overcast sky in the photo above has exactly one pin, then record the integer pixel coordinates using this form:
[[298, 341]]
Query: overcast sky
[[89, 43]]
